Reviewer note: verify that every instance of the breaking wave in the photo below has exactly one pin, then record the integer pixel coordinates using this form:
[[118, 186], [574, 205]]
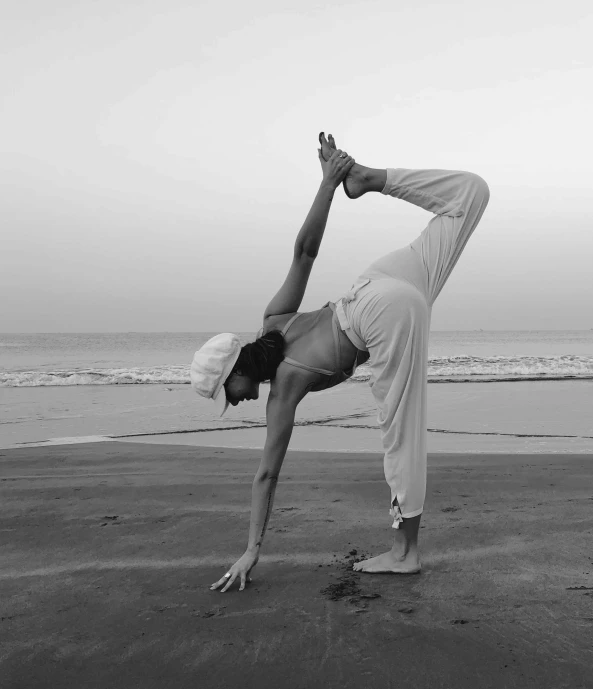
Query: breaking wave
[[150, 375], [440, 369], [463, 368]]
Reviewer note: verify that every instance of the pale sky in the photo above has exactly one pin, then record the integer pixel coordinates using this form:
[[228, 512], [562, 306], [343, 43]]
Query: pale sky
[[158, 158]]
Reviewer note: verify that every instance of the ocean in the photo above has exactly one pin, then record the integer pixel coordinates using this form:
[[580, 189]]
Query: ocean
[[494, 389], [52, 359]]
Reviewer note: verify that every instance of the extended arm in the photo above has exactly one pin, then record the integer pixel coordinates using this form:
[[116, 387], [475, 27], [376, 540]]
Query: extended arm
[[306, 247], [280, 413], [310, 235]]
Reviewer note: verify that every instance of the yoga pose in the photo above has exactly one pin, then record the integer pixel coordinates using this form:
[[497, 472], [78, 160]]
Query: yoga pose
[[385, 317]]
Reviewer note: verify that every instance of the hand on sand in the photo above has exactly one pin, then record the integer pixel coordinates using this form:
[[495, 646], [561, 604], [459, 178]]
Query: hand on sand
[[241, 569], [335, 168]]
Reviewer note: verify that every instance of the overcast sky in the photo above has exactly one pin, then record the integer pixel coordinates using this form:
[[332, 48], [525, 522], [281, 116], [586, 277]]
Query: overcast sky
[[158, 158]]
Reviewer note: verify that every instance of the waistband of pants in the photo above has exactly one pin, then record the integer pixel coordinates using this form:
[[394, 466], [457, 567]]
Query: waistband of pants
[[345, 325]]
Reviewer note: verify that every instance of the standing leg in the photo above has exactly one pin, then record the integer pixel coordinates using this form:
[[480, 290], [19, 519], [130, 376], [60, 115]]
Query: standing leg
[[393, 318]]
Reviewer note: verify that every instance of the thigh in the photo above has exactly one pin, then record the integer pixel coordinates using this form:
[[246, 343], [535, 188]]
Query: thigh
[[401, 264], [393, 318]]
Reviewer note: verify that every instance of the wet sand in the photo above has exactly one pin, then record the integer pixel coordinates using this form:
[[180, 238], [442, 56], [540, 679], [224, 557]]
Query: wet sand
[[527, 416], [107, 551]]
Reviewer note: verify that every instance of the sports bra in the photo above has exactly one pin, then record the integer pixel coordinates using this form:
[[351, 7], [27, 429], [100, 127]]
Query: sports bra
[[332, 377]]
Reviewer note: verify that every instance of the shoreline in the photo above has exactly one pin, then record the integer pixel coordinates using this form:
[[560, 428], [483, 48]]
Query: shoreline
[[532, 416]]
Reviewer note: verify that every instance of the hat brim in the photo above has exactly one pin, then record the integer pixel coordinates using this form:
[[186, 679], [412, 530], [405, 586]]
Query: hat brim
[[221, 404], [220, 401]]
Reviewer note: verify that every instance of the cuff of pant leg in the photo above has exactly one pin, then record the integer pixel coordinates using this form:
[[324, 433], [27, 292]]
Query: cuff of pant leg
[[389, 181], [413, 514], [396, 513]]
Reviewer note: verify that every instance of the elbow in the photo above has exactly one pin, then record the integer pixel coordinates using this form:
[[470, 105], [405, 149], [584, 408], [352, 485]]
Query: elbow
[[304, 253], [265, 476]]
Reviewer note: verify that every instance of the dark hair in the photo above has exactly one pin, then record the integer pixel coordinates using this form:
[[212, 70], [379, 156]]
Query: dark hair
[[260, 359]]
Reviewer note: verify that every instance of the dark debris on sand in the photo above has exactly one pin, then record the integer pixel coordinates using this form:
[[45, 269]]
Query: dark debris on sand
[[348, 585], [579, 588]]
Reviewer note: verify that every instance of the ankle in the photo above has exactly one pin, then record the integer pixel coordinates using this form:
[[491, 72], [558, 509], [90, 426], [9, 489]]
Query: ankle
[[377, 179], [403, 549], [362, 173]]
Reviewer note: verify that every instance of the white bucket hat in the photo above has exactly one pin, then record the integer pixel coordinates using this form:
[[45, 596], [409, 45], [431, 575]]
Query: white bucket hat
[[212, 365]]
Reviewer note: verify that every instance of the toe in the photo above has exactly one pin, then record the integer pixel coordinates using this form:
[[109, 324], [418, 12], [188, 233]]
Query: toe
[[326, 149]]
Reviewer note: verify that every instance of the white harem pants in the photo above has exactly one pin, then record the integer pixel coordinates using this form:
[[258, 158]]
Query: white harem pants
[[387, 313]]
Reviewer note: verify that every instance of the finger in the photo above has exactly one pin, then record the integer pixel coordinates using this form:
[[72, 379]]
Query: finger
[[335, 154], [230, 581], [332, 141], [242, 582], [218, 583]]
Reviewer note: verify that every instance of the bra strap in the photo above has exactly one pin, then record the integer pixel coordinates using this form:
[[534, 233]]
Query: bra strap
[[306, 367], [336, 333], [290, 322]]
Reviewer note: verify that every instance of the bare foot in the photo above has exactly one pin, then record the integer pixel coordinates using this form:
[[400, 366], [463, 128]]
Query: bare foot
[[390, 563], [358, 181]]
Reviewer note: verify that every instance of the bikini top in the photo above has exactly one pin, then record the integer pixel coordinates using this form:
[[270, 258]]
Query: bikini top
[[332, 377]]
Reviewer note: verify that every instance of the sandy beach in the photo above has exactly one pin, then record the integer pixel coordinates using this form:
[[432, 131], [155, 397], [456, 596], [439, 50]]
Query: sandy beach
[[108, 550]]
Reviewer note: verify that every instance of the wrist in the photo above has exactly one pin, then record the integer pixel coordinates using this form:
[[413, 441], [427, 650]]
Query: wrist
[[252, 550], [327, 187]]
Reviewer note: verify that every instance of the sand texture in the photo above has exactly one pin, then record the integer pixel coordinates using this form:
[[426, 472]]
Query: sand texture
[[108, 550]]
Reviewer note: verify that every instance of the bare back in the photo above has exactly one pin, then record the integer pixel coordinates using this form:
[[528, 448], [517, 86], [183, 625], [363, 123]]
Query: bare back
[[311, 341]]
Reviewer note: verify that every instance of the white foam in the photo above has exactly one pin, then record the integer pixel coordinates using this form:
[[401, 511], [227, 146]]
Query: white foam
[[457, 368], [72, 440], [169, 375], [501, 367]]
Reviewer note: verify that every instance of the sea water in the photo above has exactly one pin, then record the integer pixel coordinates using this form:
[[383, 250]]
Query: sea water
[[51, 359], [60, 385]]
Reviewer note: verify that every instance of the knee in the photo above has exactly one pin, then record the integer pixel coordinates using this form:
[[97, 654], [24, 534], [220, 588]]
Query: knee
[[479, 187]]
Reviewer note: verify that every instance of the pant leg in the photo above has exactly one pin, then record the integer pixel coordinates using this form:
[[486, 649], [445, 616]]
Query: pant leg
[[392, 316], [458, 199]]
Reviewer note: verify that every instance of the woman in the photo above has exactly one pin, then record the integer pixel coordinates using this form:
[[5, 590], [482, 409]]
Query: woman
[[384, 317]]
